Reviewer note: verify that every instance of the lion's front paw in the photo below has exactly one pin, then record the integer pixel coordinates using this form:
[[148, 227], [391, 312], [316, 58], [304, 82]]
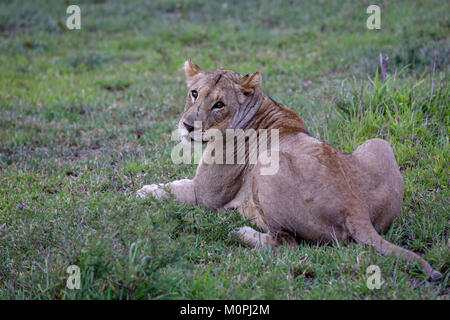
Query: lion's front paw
[[152, 189], [245, 235]]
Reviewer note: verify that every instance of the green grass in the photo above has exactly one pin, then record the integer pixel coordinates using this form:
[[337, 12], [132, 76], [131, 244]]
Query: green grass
[[86, 118]]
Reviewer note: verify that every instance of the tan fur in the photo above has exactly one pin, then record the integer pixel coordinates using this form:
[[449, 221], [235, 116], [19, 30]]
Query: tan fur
[[319, 193]]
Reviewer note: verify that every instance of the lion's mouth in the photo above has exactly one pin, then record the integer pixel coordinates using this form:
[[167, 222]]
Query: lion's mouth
[[198, 136], [191, 134], [195, 137]]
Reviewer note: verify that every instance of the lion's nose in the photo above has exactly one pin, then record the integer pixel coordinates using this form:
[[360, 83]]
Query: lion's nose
[[188, 127]]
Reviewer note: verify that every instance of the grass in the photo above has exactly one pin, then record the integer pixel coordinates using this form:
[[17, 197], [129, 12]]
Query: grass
[[86, 118]]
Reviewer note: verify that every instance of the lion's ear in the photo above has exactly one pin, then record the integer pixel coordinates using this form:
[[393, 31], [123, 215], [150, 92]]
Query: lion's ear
[[250, 81], [191, 70]]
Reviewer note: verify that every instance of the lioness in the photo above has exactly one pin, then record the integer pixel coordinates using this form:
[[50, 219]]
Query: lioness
[[318, 193]]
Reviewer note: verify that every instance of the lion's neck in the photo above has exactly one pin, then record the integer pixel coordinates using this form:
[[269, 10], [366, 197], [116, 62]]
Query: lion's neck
[[273, 115]]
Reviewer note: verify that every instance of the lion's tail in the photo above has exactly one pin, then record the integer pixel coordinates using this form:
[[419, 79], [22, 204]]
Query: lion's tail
[[363, 231]]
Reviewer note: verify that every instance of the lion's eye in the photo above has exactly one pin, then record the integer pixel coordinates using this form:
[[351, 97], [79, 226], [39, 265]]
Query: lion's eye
[[194, 94], [218, 105]]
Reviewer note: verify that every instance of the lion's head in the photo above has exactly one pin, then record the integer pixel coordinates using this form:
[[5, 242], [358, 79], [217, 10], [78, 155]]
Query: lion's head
[[219, 99]]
